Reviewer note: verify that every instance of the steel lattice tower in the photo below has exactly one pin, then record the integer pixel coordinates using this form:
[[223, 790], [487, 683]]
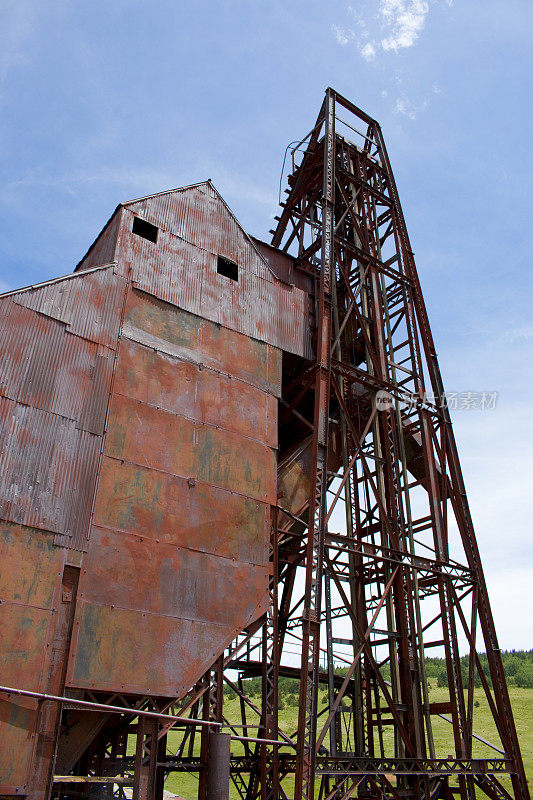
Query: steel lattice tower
[[387, 453]]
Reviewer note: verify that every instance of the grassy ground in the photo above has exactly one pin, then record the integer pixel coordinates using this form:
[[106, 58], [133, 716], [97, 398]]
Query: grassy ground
[[186, 786]]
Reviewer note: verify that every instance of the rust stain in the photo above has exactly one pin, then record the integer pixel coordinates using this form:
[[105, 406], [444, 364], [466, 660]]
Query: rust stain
[[110, 646], [188, 336], [161, 506], [205, 395], [193, 449]]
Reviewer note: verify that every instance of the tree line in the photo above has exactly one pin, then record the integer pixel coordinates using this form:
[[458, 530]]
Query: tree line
[[517, 664]]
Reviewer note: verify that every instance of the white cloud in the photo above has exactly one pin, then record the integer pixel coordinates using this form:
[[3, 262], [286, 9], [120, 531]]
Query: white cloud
[[520, 333], [396, 26], [405, 19], [342, 35], [368, 51], [407, 108]]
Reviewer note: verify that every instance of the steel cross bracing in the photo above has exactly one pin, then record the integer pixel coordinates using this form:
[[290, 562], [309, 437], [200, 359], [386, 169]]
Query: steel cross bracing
[[378, 569], [382, 446]]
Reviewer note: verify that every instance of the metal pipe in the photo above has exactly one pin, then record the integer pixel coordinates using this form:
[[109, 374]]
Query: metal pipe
[[106, 708], [263, 741], [218, 766]]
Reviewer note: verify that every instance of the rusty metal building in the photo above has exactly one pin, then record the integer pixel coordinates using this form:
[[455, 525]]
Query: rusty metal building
[[175, 419], [138, 462]]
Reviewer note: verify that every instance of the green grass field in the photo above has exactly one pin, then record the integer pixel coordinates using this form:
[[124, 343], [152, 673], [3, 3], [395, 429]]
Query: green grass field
[[186, 786]]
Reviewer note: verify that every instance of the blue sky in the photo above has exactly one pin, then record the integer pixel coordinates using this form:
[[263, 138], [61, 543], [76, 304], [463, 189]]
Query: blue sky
[[104, 102]]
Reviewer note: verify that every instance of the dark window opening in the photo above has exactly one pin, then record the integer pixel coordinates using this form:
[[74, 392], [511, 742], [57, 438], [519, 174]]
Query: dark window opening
[[227, 268], [145, 229]]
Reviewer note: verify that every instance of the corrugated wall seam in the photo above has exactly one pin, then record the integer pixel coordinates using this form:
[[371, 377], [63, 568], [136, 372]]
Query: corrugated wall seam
[[195, 420], [53, 281], [129, 335], [146, 536], [197, 481], [79, 545]]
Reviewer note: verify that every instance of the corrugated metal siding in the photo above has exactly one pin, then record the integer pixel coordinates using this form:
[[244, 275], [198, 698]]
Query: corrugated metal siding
[[282, 265], [46, 367], [195, 226], [172, 269], [47, 470], [89, 305], [199, 216], [54, 391], [104, 248]]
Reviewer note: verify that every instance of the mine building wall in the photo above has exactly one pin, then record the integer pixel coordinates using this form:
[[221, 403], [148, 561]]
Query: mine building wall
[[138, 465]]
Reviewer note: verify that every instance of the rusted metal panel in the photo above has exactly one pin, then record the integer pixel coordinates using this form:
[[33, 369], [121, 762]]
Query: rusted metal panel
[[177, 527], [192, 449], [250, 306], [29, 575], [94, 409], [89, 304], [277, 313], [195, 226], [199, 215], [177, 511], [17, 727], [54, 391], [284, 267], [29, 565], [187, 336], [47, 470], [202, 394], [133, 572], [103, 250], [46, 367], [171, 269], [180, 649], [30, 570]]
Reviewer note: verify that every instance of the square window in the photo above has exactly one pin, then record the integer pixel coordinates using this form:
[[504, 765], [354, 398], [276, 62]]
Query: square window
[[227, 268], [145, 229]]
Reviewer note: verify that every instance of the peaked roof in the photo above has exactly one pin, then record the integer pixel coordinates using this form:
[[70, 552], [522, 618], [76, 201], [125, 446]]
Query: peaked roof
[[171, 191], [206, 183]]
